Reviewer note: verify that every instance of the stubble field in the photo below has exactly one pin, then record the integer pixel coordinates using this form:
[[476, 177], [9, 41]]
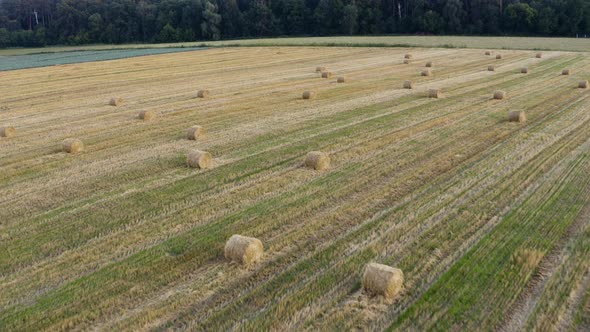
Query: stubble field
[[488, 219]]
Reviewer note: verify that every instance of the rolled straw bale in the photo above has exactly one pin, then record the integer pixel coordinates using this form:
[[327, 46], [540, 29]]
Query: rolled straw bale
[[426, 72], [384, 280], [317, 160], [499, 56], [196, 132], [524, 70], [407, 56], [203, 93], [408, 85], [491, 68], [326, 74], [499, 94], [429, 64], [434, 93], [488, 53], [243, 249], [72, 145], [116, 101], [517, 116], [583, 84], [320, 69], [147, 115], [7, 131], [199, 159], [539, 55], [308, 95], [565, 72], [341, 79], [407, 61]]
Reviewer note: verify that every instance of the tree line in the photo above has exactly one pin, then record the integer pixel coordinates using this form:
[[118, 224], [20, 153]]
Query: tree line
[[45, 22]]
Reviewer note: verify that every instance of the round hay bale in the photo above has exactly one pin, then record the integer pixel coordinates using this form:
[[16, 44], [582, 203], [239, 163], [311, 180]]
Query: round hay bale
[[434, 93], [565, 72], [379, 279], [196, 133], [499, 94], [408, 85], [517, 116], [488, 53], [116, 101], [320, 69], [499, 56], [407, 56], [317, 160], [539, 55], [491, 68], [429, 64], [407, 61], [147, 115], [72, 145], [341, 79], [583, 84], [203, 93], [524, 70], [199, 159], [426, 72], [7, 131], [308, 95], [326, 74], [243, 249]]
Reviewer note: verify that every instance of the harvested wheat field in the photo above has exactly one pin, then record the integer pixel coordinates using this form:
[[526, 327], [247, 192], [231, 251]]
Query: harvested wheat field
[[484, 216]]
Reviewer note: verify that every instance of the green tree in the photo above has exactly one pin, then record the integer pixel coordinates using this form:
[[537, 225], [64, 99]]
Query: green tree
[[211, 22], [453, 14], [168, 34], [350, 19], [520, 17]]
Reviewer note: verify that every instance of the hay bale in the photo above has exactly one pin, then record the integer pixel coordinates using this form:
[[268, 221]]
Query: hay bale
[[524, 70], [308, 95], [199, 159], [379, 279], [407, 61], [429, 64], [565, 72], [488, 53], [491, 68], [517, 116], [341, 79], [426, 72], [408, 85], [499, 94], [7, 131], [539, 55], [317, 160], [203, 93], [434, 93], [499, 56], [320, 69], [583, 84], [116, 101], [147, 115], [243, 249], [72, 145], [196, 133], [326, 74], [407, 56]]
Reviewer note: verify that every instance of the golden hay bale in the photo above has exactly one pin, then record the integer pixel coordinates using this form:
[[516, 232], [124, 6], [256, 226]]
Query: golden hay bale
[[317, 160], [407, 61], [199, 159], [320, 69], [408, 85], [499, 56], [243, 249], [583, 84], [434, 93], [308, 95], [517, 116], [426, 72], [407, 56], [491, 68], [203, 93], [326, 74], [196, 132], [72, 145], [539, 55], [524, 70], [384, 280], [429, 64], [116, 101], [488, 53], [499, 94], [7, 131], [341, 79], [146, 115], [565, 72]]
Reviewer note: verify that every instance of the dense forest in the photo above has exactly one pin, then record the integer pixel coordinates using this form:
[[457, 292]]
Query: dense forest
[[43, 22]]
